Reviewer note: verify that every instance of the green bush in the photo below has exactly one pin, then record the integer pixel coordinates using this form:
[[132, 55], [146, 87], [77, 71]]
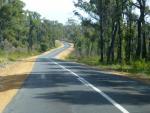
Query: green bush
[[140, 65], [43, 47]]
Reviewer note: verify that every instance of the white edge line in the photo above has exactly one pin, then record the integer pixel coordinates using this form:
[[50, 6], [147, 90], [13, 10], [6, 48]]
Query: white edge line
[[85, 82]]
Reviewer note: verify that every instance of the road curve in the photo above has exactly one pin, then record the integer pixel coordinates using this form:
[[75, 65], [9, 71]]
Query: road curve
[[56, 86]]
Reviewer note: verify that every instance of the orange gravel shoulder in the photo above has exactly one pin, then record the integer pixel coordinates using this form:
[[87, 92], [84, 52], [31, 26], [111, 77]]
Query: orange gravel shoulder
[[12, 76], [11, 79]]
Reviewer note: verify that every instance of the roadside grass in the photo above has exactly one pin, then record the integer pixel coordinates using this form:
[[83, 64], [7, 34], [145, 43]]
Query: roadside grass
[[6, 57], [19, 55], [136, 67], [13, 56]]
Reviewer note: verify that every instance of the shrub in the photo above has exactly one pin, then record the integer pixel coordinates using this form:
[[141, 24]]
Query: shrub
[[43, 47], [140, 65]]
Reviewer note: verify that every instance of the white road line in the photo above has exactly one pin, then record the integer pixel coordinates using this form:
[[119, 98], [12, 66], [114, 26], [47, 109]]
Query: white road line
[[85, 82]]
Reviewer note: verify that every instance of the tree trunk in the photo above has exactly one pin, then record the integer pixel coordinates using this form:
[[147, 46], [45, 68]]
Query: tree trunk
[[101, 42], [111, 48], [119, 42], [101, 38], [139, 43], [149, 50], [141, 47], [30, 41], [144, 50], [129, 39]]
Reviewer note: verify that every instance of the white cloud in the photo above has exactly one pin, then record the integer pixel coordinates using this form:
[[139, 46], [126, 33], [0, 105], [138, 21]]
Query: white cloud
[[59, 10]]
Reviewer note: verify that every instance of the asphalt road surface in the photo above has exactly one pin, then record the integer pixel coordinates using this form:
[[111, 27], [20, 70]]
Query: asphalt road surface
[[56, 86]]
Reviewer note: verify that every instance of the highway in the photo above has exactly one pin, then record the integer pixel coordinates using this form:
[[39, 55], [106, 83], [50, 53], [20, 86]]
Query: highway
[[56, 86]]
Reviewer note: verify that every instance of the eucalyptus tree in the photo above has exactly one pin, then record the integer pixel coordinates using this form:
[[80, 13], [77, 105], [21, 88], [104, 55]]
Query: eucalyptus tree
[[95, 10], [11, 21], [24, 31], [116, 22], [33, 22], [141, 51]]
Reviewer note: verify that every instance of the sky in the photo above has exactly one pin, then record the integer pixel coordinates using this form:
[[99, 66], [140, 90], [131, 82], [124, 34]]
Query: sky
[[59, 10]]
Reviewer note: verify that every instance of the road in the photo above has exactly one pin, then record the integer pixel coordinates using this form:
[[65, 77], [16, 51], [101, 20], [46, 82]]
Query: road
[[56, 86]]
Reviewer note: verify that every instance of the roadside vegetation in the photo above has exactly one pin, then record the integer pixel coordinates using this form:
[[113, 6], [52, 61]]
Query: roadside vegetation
[[6, 57], [114, 31], [140, 68], [24, 33], [113, 35]]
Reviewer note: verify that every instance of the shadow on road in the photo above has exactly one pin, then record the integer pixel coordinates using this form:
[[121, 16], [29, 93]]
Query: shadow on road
[[55, 76], [91, 97]]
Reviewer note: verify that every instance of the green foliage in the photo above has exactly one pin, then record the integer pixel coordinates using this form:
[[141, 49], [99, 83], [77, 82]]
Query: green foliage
[[141, 66], [24, 32], [14, 56], [3, 58], [113, 31], [19, 55], [43, 47]]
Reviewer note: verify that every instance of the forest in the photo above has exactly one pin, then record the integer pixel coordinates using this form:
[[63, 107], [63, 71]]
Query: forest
[[110, 32], [23, 32], [120, 33], [113, 32]]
